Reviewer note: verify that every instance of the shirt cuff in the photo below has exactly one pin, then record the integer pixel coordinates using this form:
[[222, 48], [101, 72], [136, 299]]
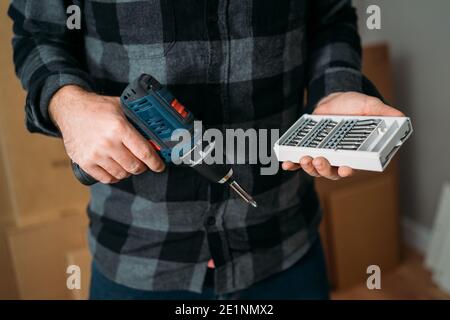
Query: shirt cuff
[[38, 120], [339, 80]]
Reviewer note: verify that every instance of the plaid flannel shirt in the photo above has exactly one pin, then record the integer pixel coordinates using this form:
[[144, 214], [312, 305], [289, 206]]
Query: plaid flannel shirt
[[235, 64]]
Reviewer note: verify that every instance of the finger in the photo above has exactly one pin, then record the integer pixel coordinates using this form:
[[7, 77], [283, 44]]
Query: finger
[[128, 161], [307, 166], [113, 168], [290, 166], [142, 150], [345, 172], [100, 174], [324, 168]]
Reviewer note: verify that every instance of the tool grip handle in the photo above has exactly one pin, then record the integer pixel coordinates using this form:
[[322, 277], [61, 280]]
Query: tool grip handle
[[82, 176]]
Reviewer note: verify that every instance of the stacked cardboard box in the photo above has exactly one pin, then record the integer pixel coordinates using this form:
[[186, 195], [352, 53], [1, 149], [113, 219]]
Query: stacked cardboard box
[[361, 214], [42, 207], [38, 254]]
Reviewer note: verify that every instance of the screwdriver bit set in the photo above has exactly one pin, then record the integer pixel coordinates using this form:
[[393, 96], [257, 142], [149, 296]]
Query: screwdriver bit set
[[359, 142]]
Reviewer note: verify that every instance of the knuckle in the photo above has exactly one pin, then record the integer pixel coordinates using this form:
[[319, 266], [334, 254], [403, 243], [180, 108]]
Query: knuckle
[[95, 155], [134, 168], [116, 173], [113, 178], [106, 180], [145, 153], [86, 158], [118, 125], [85, 162], [105, 144], [121, 175]]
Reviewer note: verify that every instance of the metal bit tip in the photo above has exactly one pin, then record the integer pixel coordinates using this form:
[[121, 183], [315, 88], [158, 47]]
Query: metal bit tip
[[253, 203], [242, 193]]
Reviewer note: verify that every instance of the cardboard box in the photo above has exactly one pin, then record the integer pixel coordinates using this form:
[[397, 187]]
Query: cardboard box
[[38, 255], [361, 214], [81, 258], [35, 171], [362, 227], [5, 199], [8, 288], [376, 66]]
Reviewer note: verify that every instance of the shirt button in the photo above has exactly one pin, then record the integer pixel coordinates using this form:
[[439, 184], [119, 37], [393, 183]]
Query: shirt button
[[210, 221]]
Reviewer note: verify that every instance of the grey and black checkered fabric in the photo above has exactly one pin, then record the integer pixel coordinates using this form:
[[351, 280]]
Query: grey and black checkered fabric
[[234, 64]]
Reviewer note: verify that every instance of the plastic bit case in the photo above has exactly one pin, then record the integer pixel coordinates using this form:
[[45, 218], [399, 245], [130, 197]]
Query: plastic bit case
[[359, 142]]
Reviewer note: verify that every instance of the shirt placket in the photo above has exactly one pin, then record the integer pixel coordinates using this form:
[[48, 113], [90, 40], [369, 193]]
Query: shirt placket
[[217, 73]]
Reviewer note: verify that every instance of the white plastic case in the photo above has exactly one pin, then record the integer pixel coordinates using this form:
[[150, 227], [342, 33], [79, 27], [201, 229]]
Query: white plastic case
[[359, 142]]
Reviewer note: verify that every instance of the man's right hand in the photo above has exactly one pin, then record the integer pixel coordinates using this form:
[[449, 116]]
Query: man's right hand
[[98, 137]]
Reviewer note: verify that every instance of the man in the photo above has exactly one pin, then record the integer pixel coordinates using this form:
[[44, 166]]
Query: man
[[161, 231]]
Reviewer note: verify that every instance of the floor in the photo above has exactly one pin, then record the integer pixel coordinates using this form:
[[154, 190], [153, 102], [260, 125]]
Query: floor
[[410, 281]]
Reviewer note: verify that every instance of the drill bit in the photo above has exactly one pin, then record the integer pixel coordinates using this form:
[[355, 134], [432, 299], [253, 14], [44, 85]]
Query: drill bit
[[368, 122], [241, 192]]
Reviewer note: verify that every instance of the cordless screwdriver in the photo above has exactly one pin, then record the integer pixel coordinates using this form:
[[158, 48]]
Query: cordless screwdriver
[[152, 109]]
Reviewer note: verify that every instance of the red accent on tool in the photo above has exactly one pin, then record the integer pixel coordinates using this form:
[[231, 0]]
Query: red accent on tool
[[179, 108], [155, 145]]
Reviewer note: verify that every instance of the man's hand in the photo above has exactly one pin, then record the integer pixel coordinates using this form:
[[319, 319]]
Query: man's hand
[[98, 137], [342, 103]]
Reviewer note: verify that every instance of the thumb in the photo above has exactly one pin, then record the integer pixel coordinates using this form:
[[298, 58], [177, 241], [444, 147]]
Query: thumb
[[381, 109]]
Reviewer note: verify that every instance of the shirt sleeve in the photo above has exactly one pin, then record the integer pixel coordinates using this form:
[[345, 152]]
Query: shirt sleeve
[[47, 56], [334, 52]]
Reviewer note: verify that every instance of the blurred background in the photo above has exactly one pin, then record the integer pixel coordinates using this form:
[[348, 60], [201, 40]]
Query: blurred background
[[398, 220]]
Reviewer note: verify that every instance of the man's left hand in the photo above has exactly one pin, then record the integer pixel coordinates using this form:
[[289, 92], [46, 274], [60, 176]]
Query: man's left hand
[[341, 103]]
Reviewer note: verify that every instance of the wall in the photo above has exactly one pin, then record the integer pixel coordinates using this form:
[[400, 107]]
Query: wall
[[418, 33]]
